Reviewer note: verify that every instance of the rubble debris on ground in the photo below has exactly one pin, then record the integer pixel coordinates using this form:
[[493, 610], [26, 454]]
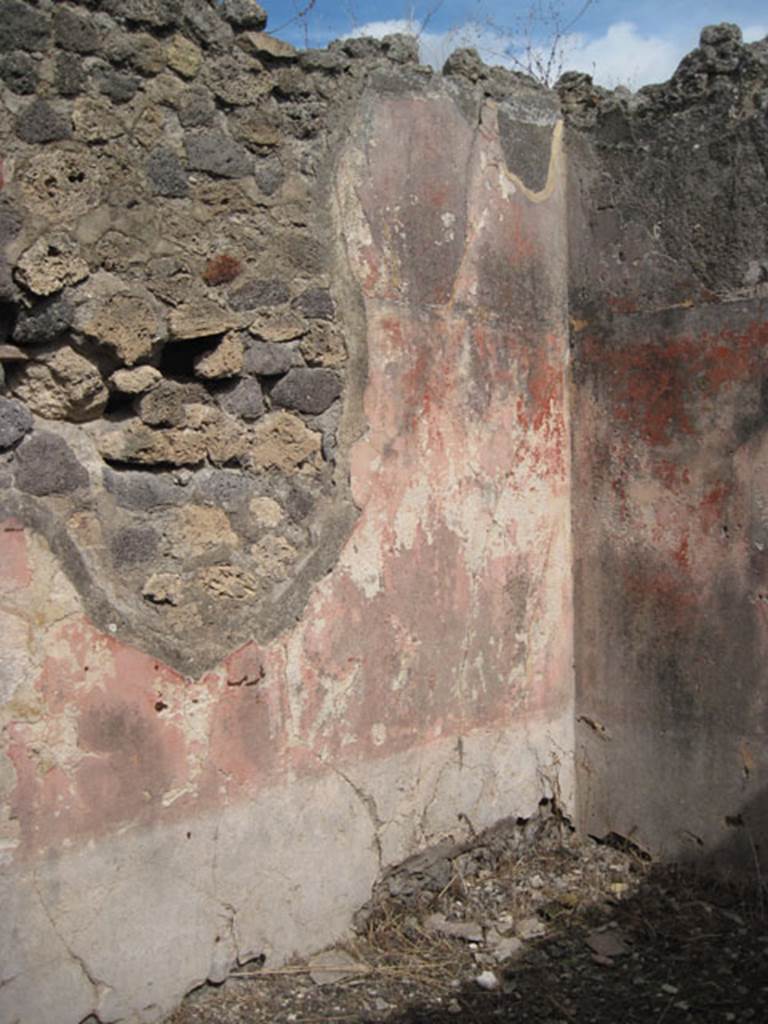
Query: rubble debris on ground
[[530, 923]]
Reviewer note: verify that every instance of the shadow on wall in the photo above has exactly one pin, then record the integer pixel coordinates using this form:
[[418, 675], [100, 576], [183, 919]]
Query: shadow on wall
[[743, 852]]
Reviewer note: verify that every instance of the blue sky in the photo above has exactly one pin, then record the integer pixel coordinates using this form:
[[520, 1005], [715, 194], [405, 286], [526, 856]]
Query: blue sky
[[620, 42]]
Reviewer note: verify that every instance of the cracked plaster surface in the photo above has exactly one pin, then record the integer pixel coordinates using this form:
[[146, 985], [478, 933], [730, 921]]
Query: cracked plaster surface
[[187, 816]]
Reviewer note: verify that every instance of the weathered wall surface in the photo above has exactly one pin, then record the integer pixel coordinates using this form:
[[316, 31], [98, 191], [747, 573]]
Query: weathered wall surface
[[669, 255], [284, 485]]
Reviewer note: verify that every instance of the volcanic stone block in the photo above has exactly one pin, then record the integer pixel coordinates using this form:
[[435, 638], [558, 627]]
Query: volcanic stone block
[[46, 321], [244, 14], [133, 545], [217, 154], [70, 75], [166, 175], [244, 400], [226, 360], [118, 86], [128, 324], [307, 390], [47, 465], [50, 264], [316, 303], [22, 27], [259, 292], [74, 32], [15, 422], [19, 73], [196, 108], [40, 122], [269, 359], [164, 405], [65, 387]]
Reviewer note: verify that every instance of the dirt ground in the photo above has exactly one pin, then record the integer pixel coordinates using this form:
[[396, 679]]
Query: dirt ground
[[527, 923]]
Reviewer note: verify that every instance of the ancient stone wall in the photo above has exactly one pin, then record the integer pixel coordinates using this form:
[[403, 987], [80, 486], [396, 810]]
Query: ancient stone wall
[[669, 307], [284, 486]]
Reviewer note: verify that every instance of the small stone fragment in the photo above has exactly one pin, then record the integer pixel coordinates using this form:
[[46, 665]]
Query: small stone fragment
[[468, 931], [259, 292], [217, 154], [95, 119], [265, 511], [308, 390], [259, 44], [47, 465], [165, 404], [70, 75], [15, 422], [47, 321], [487, 980], [282, 441], [133, 545], [166, 174], [183, 56], [324, 346], [200, 319], [136, 381], [196, 108], [273, 557], [23, 27], [128, 324], [226, 360], [64, 387], [530, 928], [245, 400], [608, 943], [163, 588], [40, 122], [271, 360], [230, 581], [74, 32], [197, 528], [275, 325], [146, 446], [315, 303], [506, 948], [118, 86], [11, 354], [244, 14], [19, 73], [50, 264]]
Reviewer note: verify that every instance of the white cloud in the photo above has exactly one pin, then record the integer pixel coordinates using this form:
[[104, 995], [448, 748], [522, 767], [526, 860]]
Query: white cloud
[[754, 33], [621, 56]]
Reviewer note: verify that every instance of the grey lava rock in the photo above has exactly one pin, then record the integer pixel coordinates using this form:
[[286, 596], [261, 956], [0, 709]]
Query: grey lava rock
[[166, 174], [244, 14], [259, 292], [217, 154], [244, 400], [47, 465], [39, 122], [22, 27], [270, 359], [74, 32], [307, 390], [19, 73], [316, 303], [15, 422]]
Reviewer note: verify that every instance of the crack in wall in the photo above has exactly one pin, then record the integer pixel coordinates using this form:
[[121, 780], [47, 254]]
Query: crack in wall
[[369, 803]]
